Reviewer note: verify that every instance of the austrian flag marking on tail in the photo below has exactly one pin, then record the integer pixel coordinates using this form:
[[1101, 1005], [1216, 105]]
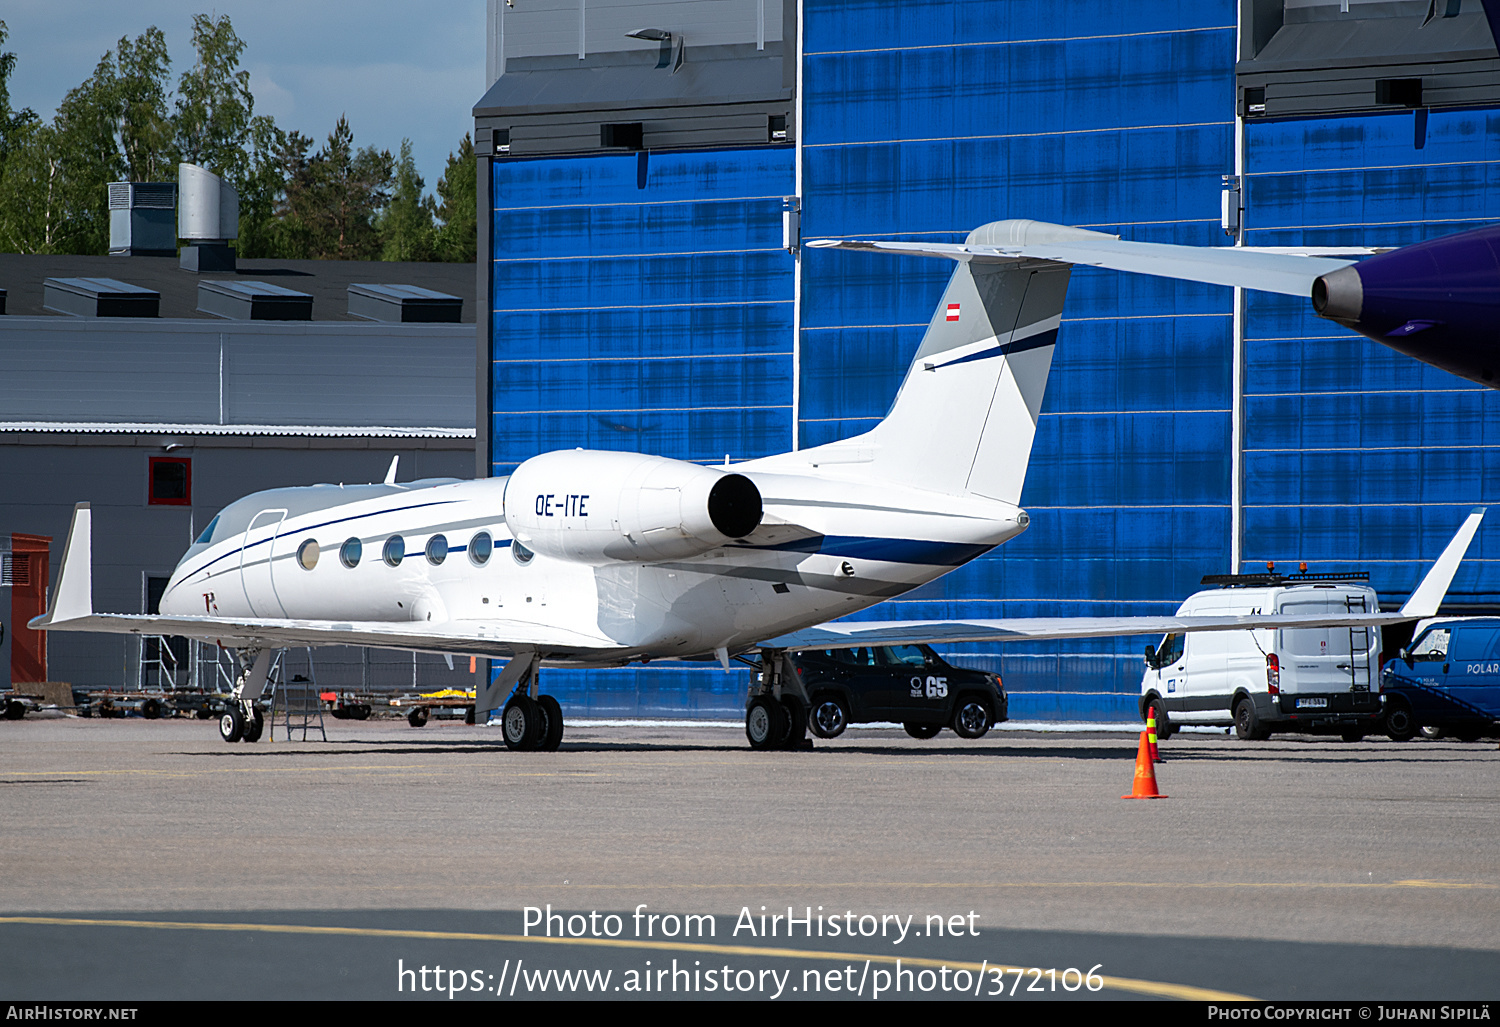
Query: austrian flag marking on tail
[[953, 312]]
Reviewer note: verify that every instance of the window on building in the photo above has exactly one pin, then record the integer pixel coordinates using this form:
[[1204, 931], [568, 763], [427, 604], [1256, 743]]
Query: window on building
[[171, 481]]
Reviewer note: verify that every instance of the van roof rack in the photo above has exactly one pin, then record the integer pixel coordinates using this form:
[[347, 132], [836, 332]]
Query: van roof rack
[[1273, 578]]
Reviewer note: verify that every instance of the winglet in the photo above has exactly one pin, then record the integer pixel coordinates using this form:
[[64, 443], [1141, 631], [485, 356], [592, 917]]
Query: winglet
[[390, 475], [1424, 602], [74, 595]]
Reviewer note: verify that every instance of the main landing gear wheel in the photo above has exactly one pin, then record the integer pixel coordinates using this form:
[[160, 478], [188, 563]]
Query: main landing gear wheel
[[232, 724], [522, 723], [553, 731], [254, 725], [765, 723], [796, 723]]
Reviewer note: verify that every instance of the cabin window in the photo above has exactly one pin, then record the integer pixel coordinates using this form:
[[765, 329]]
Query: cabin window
[[521, 553], [437, 549], [350, 552], [171, 481], [307, 554], [395, 549], [480, 548]]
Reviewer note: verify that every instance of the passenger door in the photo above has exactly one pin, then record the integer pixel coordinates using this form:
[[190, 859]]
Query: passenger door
[[257, 550]]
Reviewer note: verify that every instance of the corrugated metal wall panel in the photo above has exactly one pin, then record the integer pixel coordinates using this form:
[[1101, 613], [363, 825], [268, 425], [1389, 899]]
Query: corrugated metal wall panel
[[1357, 455]]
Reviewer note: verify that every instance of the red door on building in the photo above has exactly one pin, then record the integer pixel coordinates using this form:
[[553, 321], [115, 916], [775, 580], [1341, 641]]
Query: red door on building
[[29, 568]]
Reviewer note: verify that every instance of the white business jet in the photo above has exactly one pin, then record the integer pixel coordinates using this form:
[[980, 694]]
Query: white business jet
[[586, 558]]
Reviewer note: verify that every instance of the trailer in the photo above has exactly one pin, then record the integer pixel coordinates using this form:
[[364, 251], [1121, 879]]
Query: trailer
[[420, 707]]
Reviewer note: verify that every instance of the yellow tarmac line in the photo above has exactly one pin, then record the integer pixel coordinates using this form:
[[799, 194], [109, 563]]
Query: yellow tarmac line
[[1157, 989]]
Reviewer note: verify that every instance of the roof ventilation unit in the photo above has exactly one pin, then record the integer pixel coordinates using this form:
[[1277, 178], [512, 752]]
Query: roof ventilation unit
[[408, 303], [99, 297], [207, 219], [140, 219], [253, 301]]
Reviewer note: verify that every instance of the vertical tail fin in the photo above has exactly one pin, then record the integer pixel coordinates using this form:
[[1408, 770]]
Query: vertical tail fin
[[966, 415]]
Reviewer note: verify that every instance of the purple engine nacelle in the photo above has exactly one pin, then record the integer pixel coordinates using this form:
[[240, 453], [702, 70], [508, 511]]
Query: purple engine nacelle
[[1437, 301]]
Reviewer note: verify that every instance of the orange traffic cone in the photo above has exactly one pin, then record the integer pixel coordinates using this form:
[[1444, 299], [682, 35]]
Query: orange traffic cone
[[1151, 734], [1145, 776]]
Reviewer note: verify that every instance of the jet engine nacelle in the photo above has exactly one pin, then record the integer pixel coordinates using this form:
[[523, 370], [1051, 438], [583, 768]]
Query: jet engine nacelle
[[595, 507]]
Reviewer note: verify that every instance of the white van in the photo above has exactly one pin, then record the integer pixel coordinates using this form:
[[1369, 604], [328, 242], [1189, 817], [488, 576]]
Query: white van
[[1309, 679]]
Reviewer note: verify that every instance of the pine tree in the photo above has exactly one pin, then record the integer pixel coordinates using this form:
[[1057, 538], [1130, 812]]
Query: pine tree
[[406, 228], [457, 239]]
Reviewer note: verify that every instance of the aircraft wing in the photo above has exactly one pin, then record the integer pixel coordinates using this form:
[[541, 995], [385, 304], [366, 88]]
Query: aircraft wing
[[1424, 602], [1290, 271], [72, 610]]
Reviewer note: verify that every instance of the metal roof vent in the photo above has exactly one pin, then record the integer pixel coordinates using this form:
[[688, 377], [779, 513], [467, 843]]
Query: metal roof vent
[[99, 297], [408, 303], [253, 301], [140, 219], [207, 219]]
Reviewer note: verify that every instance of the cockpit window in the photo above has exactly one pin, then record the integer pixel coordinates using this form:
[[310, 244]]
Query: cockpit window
[[208, 533]]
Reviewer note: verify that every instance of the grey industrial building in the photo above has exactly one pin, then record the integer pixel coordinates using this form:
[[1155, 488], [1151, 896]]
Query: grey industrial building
[[159, 396]]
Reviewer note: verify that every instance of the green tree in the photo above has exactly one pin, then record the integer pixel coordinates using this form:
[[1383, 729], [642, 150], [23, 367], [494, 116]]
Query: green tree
[[406, 227], [12, 122], [214, 104], [31, 192], [332, 199], [88, 158], [145, 129], [458, 239], [261, 190]]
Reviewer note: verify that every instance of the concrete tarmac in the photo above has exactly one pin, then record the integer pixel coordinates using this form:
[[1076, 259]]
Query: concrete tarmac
[[1296, 868]]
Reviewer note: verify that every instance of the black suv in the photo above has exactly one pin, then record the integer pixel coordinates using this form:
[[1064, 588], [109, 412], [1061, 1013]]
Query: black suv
[[910, 684]]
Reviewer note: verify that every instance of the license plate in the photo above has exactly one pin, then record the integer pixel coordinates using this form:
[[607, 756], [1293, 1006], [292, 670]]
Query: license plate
[[1308, 704]]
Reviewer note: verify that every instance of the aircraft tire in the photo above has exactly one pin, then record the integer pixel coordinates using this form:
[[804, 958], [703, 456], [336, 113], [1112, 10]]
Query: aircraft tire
[[795, 715], [255, 724], [232, 724], [764, 723], [521, 723], [553, 735]]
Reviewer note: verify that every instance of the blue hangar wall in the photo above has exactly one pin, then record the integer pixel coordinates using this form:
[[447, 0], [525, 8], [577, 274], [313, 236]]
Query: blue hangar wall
[[644, 302]]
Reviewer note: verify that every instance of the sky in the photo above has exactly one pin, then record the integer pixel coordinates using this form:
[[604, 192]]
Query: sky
[[397, 70]]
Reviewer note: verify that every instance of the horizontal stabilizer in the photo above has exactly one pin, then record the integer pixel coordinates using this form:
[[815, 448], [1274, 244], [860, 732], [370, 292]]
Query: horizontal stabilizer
[[1289, 272]]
